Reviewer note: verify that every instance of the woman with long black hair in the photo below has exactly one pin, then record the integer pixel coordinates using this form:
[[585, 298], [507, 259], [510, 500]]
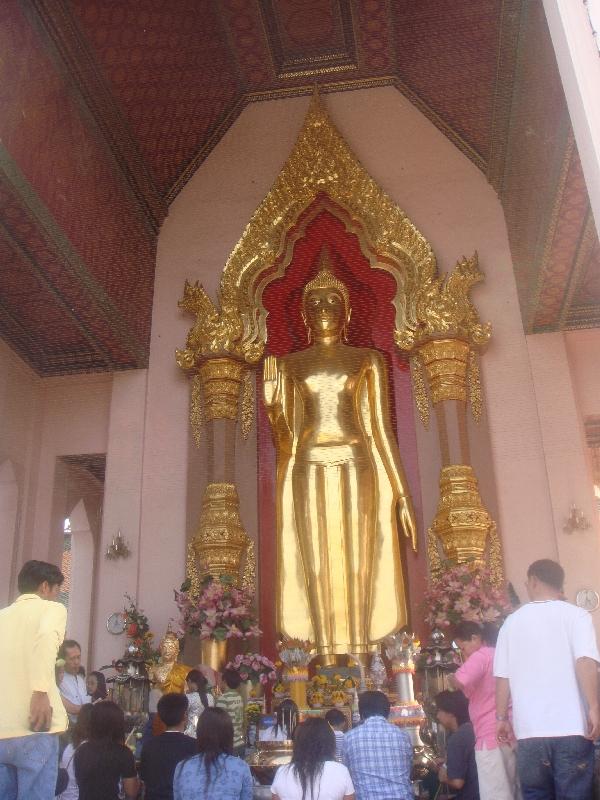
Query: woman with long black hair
[[104, 762], [215, 771], [313, 774]]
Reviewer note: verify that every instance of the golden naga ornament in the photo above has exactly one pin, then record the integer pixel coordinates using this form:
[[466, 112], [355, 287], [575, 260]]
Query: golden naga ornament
[[341, 488], [445, 342]]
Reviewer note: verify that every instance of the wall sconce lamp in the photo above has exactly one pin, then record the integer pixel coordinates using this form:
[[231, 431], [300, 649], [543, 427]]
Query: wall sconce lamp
[[576, 521], [118, 548]]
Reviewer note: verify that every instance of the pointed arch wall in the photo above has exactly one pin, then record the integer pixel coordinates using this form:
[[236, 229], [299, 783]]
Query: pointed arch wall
[[450, 202]]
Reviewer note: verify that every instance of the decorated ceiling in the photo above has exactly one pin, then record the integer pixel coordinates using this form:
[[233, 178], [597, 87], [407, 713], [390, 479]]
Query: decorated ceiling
[[109, 107]]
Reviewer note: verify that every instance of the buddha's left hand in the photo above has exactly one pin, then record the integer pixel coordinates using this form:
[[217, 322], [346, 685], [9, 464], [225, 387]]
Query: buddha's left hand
[[406, 513]]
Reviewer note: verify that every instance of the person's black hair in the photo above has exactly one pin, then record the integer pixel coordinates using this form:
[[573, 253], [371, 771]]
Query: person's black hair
[[314, 744], [286, 718], [231, 678], [198, 679], [453, 703], [373, 704], [549, 572], [34, 573], [107, 723], [101, 692], [215, 738], [81, 729], [172, 708], [335, 717], [67, 645], [487, 632]]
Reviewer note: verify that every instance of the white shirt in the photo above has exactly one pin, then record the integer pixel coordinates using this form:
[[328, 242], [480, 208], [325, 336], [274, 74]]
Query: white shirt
[[537, 649], [334, 784], [73, 688]]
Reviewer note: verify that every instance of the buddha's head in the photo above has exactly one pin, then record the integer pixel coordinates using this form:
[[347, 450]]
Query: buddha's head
[[169, 647], [325, 302]]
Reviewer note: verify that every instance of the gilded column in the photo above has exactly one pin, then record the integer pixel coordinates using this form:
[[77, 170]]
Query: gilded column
[[222, 393], [444, 363]]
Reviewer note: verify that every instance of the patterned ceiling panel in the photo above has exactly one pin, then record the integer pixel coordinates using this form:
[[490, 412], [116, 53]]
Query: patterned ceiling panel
[[447, 55], [170, 70], [308, 35], [109, 107]]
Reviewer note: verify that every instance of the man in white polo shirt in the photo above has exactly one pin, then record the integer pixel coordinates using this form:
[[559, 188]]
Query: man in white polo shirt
[[72, 687], [547, 661]]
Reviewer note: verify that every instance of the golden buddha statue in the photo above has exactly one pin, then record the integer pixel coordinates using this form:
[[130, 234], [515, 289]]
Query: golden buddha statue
[[341, 488], [168, 675]]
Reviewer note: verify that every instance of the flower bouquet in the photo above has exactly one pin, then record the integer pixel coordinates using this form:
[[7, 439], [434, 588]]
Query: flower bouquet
[[137, 630], [220, 612], [461, 593], [254, 667]]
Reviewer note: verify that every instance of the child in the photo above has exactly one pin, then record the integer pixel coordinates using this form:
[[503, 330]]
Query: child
[[198, 697], [339, 722], [232, 702], [286, 719]]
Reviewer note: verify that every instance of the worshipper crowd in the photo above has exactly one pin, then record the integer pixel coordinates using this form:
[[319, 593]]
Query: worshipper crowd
[[521, 718]]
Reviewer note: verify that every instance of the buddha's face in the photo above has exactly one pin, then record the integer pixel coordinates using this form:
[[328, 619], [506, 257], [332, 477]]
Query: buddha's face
[[324, 311], [169, 649]]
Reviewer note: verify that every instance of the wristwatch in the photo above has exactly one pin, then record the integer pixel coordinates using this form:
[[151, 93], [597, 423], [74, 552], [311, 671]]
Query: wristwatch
[[501, 718]]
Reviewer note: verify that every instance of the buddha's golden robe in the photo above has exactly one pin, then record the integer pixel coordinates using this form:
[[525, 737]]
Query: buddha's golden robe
[[339, 484], [172, 680]]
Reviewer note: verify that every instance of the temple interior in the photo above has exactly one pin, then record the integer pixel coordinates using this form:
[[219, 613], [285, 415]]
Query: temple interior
[[172, 176]]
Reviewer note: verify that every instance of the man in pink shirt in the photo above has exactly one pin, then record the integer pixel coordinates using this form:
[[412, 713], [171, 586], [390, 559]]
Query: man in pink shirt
[[496, 764]]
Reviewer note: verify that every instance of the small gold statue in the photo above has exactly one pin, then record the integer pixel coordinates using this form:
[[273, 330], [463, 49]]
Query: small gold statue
[[341, 488], [168, 675]]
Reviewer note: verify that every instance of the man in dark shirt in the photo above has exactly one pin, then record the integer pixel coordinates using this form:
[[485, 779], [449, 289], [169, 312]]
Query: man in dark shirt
[[460, 770], [162, 753]]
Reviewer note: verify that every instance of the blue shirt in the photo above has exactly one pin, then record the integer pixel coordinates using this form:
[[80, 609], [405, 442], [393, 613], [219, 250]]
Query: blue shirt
[[379, 756], [230, 779]]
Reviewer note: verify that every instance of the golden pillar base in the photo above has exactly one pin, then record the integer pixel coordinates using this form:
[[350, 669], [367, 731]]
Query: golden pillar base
[[213, 653], [462, 523], [221, 541]]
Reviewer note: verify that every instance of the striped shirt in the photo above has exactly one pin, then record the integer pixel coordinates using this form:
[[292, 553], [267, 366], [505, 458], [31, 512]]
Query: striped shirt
[[232, 702]]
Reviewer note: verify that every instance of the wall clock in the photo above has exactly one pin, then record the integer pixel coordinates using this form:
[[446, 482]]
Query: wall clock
[[116, 623], [588, 599]]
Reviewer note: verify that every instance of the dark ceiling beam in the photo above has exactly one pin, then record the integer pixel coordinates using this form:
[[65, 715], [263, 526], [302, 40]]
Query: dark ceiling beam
[[75, 61], [510, 29]]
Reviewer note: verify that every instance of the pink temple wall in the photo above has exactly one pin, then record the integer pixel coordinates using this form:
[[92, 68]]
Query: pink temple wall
[[155, 476]]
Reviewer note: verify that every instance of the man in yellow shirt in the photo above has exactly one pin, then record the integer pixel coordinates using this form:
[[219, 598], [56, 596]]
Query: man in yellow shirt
[[31, 711]]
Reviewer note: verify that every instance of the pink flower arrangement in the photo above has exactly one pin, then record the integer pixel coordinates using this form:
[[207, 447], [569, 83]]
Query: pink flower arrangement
[[253, 667], [220, 612], [462, 593]]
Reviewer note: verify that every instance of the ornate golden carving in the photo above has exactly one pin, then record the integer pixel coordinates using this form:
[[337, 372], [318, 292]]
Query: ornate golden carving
[[196, 413], [444, 309], [494, 556], [247, 405], [221, 541], [216, 332], [474, 383], [433, 553], [322, 162], [249, 575], [191, 570], [445, 362], [221, 383], [461, 523], [420, 389]]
